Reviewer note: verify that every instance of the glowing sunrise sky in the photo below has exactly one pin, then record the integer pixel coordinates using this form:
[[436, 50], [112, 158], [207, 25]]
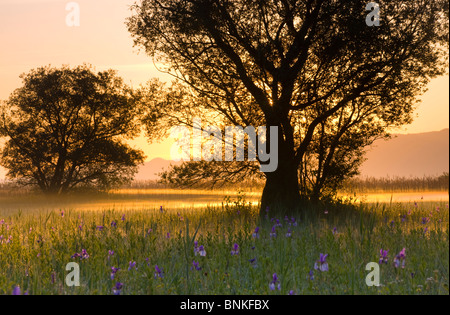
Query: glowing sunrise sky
[[34, 33]]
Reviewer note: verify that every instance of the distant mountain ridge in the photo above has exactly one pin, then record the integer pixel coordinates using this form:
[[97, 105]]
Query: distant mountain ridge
[[406, 155]]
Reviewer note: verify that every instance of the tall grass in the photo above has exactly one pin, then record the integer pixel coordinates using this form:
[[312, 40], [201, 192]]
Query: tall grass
[[35, 248]]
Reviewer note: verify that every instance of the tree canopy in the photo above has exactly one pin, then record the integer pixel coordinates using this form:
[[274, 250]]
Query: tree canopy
[[65, 128], [314, 69]]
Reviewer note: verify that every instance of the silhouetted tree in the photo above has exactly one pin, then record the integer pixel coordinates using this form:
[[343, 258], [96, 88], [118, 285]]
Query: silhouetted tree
[[64, 129], [297, 65]]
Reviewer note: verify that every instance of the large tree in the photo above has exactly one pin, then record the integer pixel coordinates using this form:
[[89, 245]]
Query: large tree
[[65, 128], [311, 68]]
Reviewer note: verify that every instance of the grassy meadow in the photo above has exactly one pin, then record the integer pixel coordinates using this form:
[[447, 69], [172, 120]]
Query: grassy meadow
[[224, 248]]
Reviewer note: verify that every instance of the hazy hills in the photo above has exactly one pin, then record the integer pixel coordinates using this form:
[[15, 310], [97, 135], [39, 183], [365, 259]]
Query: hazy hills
[[404, 155], [409, 155]]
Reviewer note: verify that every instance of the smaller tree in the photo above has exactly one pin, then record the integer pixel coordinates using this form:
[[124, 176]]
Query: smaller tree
[[66, 128]]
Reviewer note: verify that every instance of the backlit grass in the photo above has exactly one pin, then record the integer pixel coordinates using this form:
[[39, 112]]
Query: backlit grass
[[35, 248]]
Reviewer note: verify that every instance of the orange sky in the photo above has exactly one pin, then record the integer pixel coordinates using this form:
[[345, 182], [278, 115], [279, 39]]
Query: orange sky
[[34, 33]]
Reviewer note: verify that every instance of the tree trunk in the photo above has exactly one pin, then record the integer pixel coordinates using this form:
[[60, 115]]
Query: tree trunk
[[281, 193]]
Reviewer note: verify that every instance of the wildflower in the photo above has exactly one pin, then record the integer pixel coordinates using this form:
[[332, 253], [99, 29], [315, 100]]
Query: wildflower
[[195, 248], [275, 283], [392, 223], [334, 230], [253, 262], [425, 220], [161, 209], [83, 255], [80, 227], [403, 218], [400, 259], [62, 213], [425, 230], [16, 290], [110, 253], [149, 231], [158, 272], [294, 223], [311, 275], [291, 292], [118, 288], [278, 223], [168, 235], [255, 234], [114, 270], [235, 250], [383, 256], [132, 265], [2, 221], [196, 265], [113, 224], [201, 250], [321, 264], [123, 218], [53, 276], [100, 228], [289, 233], [273, 233], [326, 211]]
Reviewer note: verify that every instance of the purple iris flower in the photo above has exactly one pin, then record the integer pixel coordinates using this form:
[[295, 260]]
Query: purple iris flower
[[253, 262], [293, 222], [114, 270], [16, 290], [289, 233], [383, 256], [275, 283], [321, 264], [161, 209], [118, 288], [400, 259], [83, 255], [123, 217], [196, 265], [273, 233], [158, 272], [235, 250], [132, 265], [110, 253], [425, 220], [311, 275], [255, 234], [201, 250], [100, 228], [334, 230], [113, 224]]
